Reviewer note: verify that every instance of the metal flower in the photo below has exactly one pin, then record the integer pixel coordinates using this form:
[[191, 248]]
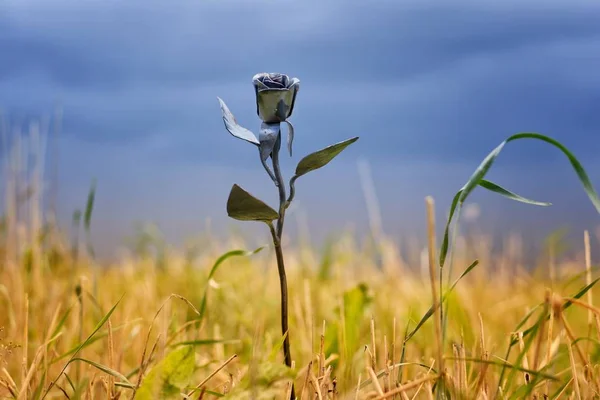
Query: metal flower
[[275, 96], [275, 99]]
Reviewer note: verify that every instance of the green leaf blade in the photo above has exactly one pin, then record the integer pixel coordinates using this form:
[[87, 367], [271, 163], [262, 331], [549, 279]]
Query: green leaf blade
[[89, 206], [491, 186], [242, 206], [579, 170], [322, 157], [431, 310], [213, 270]]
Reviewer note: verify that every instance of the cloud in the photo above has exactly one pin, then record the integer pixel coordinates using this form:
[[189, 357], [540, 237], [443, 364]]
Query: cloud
[[430, 87], [129, 71]]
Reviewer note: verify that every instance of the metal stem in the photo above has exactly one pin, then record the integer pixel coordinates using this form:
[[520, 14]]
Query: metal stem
[[276, 235]]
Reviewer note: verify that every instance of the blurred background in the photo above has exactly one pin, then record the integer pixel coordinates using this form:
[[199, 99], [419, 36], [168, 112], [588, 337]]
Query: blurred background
[[126, 93]]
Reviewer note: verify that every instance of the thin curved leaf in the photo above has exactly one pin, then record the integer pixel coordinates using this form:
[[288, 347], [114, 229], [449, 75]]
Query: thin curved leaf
[[242, 206], [105, 369], [485, 166], [506, 365], [213, 270], [89, 206], [491, 186], [446, 239], [205, 342], [233, 127], [579, 170], [322, 157], [82, 345], [431, 310], [480, 172]]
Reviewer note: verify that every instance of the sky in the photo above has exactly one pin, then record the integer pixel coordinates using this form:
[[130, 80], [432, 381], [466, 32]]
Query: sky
[[430, 87]]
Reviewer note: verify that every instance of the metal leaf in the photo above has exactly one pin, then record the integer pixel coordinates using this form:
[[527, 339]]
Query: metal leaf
[[290, 140], [242, 206], [233, 127], [268, 135], [322, 157]]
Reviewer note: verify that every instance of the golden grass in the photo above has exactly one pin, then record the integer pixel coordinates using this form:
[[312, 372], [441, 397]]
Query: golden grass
[[357, 358], [70, 328]]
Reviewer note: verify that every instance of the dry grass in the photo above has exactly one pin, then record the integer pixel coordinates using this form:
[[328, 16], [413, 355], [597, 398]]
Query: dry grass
[[347, 329], [70, 328]]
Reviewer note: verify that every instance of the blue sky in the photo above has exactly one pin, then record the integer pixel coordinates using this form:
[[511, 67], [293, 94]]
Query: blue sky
[[429, 86]]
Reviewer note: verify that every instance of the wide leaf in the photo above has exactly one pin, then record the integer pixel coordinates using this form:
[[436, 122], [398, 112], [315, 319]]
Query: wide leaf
[[242, 206], [322, 157]]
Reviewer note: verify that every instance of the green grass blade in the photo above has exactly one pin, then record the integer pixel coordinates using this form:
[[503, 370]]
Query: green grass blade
[[38, 390], [89, 207], [92, 341], [215, 267], [589, 339], [491, 186], [403, 354], [580, 294], [568, 304], [578, 277], [480, 172], [560, 389], [87, 217], [277, 348], [507, 365], [524, 321], [125, 385], [205, 342], [445, 240], [70, 381], [62, 322], [528, 342], [513, 342], [431, 310], [105, 369], [96, 329], [483, 168], [579, 170]]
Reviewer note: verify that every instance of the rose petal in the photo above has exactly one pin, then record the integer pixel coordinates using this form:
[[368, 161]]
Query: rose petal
[[234, 128], [273, 84], [294, 87], [259, 77], [260, 85], [269, 108], [294, 82]]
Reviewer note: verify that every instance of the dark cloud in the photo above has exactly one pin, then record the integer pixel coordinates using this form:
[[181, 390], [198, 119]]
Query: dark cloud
[[430, 87], [456, 76]]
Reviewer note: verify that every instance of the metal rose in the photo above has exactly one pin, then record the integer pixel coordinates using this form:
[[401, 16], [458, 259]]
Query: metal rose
[[275, 96]]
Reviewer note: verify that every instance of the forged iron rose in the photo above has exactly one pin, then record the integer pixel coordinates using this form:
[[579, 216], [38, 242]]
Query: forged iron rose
[[275, 96]]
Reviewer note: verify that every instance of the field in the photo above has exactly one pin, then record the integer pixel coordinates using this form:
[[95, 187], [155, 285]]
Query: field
[[363, 325], [348, 322]]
